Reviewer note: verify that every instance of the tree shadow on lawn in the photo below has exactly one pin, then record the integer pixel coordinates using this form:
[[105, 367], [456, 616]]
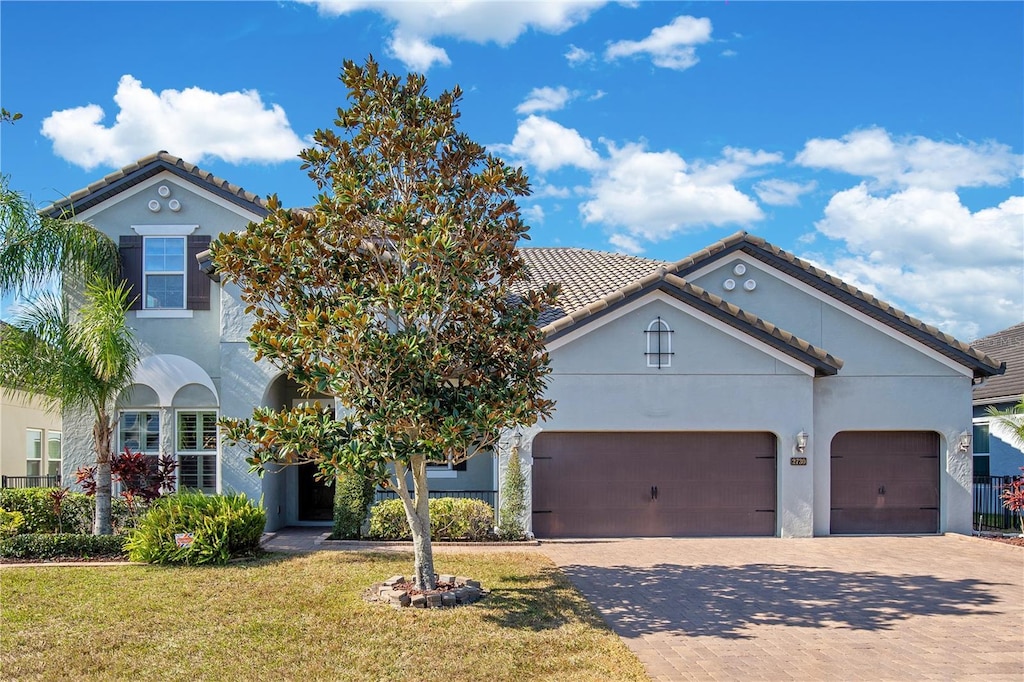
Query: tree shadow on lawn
[[722, 601], [545, 601]]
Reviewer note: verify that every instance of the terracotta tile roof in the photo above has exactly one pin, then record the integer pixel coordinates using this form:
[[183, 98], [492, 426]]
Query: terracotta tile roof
[[585, 275], [836, 288], [594, 280], [1006, 346], [146, 167]]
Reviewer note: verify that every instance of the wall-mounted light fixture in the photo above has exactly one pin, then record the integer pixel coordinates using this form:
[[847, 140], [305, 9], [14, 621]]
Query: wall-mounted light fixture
[[964, 444], [801, 441], [516, 440]]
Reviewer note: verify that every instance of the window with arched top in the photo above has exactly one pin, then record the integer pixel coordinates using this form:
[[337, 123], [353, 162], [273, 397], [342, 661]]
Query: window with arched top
[[659, 343]]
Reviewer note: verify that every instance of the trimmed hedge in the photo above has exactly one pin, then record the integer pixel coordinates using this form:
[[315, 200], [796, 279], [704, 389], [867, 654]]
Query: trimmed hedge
[[450, 519], [11, 523], [353, 495], [36, 505], [42, 546], [221, 526]]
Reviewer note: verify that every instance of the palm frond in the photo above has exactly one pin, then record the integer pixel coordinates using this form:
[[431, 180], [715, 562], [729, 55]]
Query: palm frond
[[36, 249], [102, 335]]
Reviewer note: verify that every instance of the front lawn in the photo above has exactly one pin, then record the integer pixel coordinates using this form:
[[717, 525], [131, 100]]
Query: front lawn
[[301, 617]]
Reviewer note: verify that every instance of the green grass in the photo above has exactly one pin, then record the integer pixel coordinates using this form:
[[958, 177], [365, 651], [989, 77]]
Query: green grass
[[301, 617]]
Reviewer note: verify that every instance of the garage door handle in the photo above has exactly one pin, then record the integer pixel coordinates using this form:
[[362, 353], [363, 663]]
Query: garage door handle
[[654, 492], [881, 490]]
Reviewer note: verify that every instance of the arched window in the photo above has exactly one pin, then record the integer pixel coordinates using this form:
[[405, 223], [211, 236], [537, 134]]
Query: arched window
[[659, 343]]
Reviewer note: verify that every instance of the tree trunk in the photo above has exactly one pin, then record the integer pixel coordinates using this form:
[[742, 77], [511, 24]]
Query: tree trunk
[[102, 434], [417, 511]]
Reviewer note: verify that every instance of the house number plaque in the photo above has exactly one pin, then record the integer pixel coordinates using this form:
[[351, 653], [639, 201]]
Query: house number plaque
[[798, 461]]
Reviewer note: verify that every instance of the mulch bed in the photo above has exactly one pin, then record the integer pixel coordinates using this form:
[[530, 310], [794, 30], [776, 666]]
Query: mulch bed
[[1018, 541]]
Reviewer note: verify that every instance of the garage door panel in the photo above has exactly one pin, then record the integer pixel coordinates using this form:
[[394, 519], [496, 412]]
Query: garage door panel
[[600, 484], [885, 482]]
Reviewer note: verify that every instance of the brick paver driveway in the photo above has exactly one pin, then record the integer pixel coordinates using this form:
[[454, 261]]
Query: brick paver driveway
[[894, 608]]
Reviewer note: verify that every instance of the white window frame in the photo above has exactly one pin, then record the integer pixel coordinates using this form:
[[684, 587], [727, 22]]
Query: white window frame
[[202, 453], [163, 273], [51, 437], [137, 411], [38, 459], [182, 231]]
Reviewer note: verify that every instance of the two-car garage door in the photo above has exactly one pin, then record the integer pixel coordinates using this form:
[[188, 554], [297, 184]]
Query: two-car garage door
[[644, 484]]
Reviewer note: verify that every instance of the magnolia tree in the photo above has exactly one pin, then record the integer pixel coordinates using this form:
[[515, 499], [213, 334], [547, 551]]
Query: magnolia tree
[[394, 294]]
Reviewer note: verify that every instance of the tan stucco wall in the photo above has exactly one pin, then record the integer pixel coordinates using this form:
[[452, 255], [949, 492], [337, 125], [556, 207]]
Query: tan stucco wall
[[18, 414]]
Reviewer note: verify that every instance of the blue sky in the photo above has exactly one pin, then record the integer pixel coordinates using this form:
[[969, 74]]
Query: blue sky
[[881, 141]]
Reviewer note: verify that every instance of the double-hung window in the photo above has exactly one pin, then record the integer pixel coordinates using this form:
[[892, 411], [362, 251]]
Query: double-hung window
[[33, 452], [163, 266], [196, 448], [139, 431], [53, 451]]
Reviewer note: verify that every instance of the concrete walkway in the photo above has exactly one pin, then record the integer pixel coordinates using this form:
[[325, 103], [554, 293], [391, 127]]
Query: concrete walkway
[[856, 608]]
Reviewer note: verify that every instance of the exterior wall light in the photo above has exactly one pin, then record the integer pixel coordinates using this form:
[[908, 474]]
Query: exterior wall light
[[516, 440], [801, 441], [964, 444]]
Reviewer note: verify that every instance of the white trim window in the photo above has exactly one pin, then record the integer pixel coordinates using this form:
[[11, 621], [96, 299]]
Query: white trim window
[[53, 453], [139, 431], [196, 450], [163, 273], [659, 343], [33, 452]]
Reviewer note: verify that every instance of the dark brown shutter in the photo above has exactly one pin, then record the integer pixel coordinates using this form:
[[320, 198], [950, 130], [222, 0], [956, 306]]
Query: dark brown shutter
[[130, 246], [198, 284]]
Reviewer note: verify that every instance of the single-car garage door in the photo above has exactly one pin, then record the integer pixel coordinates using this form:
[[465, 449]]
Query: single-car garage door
[[643, 484], [885, 482]]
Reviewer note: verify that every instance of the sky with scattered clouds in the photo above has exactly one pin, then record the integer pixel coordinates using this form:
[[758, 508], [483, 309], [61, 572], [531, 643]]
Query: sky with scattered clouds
[[881, 141]]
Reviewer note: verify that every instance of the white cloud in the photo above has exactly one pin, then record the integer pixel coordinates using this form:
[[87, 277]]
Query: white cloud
[[670, 47], [545, 190], [416, 53], [596, 96], [479, 21], [729, 53], [577, 55], [653, 195], [533, 215], [734, 164], [776, 192], [546, 99], [623, 242], [236, 127], [545, 145], [924, 250], [913, 161]]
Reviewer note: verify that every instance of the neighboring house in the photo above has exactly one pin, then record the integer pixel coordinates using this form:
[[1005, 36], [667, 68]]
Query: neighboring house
[[739, 391], [995, 452], [30, 440]]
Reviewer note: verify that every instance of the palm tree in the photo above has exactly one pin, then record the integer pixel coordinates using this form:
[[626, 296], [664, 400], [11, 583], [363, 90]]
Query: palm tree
[[74, 360], [1012, 418]]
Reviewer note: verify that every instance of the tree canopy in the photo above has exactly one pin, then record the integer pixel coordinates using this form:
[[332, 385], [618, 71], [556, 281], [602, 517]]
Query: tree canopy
[[394, 294]]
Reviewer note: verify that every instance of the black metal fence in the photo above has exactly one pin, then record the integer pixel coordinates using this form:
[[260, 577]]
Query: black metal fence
[[989, 512], [488, 496], [29, 481]]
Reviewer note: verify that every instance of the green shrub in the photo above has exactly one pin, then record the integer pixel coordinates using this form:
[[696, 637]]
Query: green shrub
[[42, 546], [353, 495], [221, 526], [513, 500], [450, 519], [76, 510], [11, 523]]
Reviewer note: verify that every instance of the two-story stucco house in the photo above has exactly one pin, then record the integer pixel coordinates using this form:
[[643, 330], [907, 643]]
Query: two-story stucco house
[[739, 391]]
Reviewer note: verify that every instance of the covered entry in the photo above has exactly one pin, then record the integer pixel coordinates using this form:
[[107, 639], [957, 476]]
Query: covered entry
[[885, 482], [641, 484]]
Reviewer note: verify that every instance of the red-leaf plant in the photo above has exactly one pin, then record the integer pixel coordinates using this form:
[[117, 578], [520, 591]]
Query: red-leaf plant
[[141, 476], [1013, 498]]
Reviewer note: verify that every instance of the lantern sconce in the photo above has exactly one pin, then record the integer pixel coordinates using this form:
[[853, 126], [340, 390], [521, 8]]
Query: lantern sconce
[[801, 441], [964, 444]]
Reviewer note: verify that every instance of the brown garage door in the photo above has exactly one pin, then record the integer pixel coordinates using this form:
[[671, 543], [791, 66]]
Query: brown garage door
[[885, 482], [646, 484]]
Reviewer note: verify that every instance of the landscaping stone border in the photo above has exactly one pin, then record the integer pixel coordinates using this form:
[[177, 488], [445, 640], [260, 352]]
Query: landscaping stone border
[[399, 593]]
